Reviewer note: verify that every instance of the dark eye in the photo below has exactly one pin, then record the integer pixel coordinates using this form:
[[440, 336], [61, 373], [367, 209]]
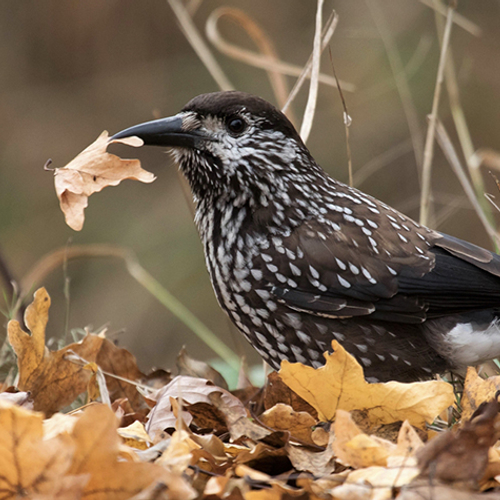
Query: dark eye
[[236, 125]]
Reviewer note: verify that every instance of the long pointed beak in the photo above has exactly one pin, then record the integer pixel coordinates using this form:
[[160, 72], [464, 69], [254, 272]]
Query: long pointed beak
[[165, 132]]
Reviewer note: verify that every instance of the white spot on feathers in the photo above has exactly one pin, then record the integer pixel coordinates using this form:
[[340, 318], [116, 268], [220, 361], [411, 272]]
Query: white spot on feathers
[[343, 282]]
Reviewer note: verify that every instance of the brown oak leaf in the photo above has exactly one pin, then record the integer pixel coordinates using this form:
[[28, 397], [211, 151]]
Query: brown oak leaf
[[52, 380]]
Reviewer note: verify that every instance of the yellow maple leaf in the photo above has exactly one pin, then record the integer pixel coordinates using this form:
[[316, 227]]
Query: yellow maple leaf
[[341, 384]]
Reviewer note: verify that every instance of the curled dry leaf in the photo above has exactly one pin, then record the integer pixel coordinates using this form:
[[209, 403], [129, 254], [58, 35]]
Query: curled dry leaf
[[215, 486], [194, 368], [283, 418], [20, 398], [462, 456], [357, 449], [178, 456], [430, 490], [381, 465], [135, 436], [376, 482], [321, 488], [409, 441], [90, 172], [477, 391], [340, 384], [52, 380], [191, 390], [320, 464], [57, 424], [276, 391], [239, 424], [118, 361]]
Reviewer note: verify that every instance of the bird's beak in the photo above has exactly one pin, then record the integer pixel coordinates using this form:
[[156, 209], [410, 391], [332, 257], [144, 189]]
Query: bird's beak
[[167, 132]]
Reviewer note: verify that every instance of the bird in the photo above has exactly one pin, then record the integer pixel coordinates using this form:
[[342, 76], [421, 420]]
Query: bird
[[298, 259]]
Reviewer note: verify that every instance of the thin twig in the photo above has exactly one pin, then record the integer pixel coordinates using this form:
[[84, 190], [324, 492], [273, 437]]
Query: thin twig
[[458, 19], [308, 118], [7, 278], [452, 157], [67, 293], [258, 36], [429, 140], [305, 72], [441, 198], [446, 212], [347, 121], [264, 62], [410, 69], [192, 6], [491, 198], [382, 160], [76, 359], [200, 47], [457, 112], [400, 79]]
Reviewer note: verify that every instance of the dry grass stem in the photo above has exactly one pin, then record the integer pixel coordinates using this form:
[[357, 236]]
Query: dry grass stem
[[381, 161], [78, 360], [441, 198], [308, 118], [401, 80], [7, 281], [192, 6], [458, 19], [491, 199], [409, 71], [452, 157], [429, 141], [460, 122], [446, 212], [347, 121], [264, 62], [262, 41], [305, 73], [200, 47]]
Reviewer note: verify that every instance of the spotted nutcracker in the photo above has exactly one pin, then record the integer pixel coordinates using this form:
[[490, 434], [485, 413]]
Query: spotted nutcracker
[[297, 258]]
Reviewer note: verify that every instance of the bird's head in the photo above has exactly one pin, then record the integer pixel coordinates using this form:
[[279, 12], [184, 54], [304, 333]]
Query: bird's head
[[229, 144]]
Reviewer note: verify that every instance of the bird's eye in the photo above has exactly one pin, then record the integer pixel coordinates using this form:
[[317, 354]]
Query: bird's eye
[[236, 125]]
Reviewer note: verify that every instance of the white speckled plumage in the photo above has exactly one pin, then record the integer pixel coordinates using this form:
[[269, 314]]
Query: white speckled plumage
[[297, 258]]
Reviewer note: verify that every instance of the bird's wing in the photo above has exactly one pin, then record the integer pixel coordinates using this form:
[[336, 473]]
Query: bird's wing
[[396, 271], [350, 272]]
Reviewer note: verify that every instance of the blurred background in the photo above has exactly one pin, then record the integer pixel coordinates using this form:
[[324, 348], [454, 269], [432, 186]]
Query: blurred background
[[72, 69]]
